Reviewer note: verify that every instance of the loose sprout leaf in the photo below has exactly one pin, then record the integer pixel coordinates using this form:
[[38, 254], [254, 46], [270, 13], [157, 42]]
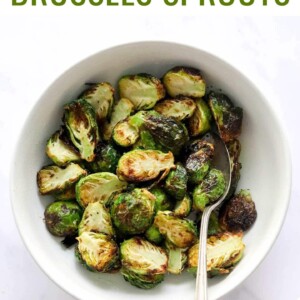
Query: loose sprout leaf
[[101, 97], [184, 81], [144, 165], [223, 252], [79, 118], [178, 108], [54, 179], [143, 90], [98, 187]]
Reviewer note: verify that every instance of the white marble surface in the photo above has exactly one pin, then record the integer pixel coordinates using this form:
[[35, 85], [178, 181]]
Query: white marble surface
[[35, 50]]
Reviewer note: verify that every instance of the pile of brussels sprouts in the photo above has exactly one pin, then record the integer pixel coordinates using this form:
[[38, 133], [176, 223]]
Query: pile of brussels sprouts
[[130, 178]]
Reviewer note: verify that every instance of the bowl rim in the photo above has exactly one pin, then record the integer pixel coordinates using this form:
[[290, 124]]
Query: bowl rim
[[272, 110]]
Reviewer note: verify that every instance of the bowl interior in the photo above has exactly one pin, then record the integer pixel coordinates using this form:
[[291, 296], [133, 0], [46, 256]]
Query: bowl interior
[[265, 159]]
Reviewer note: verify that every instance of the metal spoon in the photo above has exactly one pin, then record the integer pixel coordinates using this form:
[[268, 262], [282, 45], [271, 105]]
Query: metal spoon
[[221, 161]]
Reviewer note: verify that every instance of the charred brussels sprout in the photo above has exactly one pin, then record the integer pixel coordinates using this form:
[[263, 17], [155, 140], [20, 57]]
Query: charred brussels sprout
[[121, 111], [124, 134], [239, 213], [143, 90], [234, 149], [184, 81], [162, 201], [183, 207], [62, 218], [96, 218], [98, 187], [144, 165], [60, 152], [98, 251], [101, 97], [179, 108], [132, 213], [179, 232], [79, 118], [176, 182], [209, 190], [197, 164], [223, 253], [54, 179], [199, 123], [228, 117], [106, 159], [143, 264], [177, 258], [153, 235]]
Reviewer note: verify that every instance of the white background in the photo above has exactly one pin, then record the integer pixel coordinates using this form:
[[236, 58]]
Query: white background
[[35, 49]]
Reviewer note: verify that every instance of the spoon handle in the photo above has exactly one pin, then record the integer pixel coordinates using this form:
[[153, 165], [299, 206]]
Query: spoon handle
[[201, 281]]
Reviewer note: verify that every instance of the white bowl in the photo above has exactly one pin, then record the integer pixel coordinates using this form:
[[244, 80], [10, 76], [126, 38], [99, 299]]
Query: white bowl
[[265, 158]]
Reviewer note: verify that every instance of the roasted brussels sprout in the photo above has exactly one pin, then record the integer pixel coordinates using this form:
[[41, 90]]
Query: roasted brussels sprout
[[67, 194], [98, 251], [120, 112], [234, 149], [143, 264], [209, 190], [214, 227], [228, 117], [223, 253], [183, 207], [153, 235], [54, 179], [132, 213], [144, 165], [184, 81], [124, 134], [181, 233], [162, 201], [97, 187], [178, 108], [177, 258], [60, 152], [176, 182], [239, 213], [79, 118], [199, 123], [197, 164], [143, 90], [96, 218], [106, 159], [62, 218], [101, 97]]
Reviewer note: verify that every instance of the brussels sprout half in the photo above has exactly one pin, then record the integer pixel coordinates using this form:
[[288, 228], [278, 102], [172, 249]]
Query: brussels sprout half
[[143, 264], [228, 117], [144, 165], [239, 213], [143, 90], [54, 179], [223, 253], [179, 108], [60, 152], [184, 81], [124, 134], [62, 218], [183, 207], [98, 187], [209, 190], [199, 123], [97, 219], [198, 164], [121, 110], [98, 251], [176, 182], [79, 118], [132, 213], [181, 233], [101, 97]]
